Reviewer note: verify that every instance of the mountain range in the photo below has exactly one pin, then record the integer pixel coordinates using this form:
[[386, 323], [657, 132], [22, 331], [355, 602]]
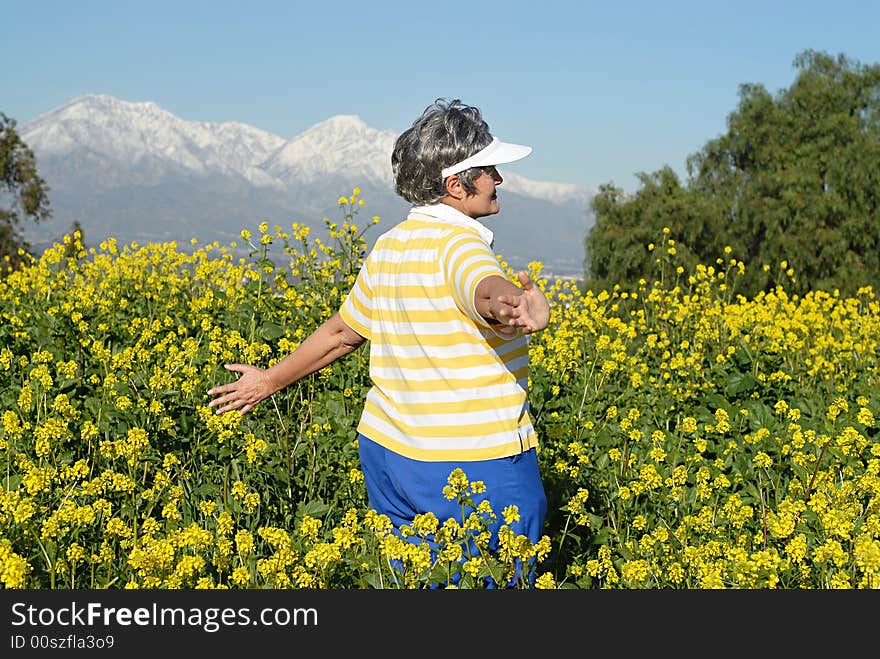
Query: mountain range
[[137, 172]]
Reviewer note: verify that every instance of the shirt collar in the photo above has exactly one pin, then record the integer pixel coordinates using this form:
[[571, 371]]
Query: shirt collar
[[447, 213]]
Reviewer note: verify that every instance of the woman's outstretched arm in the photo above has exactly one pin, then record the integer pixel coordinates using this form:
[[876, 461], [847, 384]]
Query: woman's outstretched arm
[[330, 341]]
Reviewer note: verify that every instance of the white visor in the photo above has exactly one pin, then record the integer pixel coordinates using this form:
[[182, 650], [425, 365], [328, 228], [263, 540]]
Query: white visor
[[496, 153]]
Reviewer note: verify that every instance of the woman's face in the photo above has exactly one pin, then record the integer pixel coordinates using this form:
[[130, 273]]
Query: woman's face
[[485, 200]]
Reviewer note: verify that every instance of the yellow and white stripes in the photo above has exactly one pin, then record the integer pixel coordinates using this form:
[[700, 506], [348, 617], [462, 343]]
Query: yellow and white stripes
[[446, 386]]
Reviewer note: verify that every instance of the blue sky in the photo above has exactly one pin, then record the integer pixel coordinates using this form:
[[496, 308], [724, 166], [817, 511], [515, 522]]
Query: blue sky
[[600, 90]]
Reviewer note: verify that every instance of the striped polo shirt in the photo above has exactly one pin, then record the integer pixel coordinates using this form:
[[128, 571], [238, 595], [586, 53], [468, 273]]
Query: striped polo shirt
[[446, 384]]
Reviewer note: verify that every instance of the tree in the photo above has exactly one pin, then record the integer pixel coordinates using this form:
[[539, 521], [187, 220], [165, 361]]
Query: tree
[[796, 179], [23, 194], [618, 246]]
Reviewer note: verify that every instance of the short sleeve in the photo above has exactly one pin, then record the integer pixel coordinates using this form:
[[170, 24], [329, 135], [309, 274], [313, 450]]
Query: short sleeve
[[357, 307], [466, 260]]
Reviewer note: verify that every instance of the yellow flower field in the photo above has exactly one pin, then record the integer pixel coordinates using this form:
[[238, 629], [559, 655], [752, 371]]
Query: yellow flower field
[[691, 438]]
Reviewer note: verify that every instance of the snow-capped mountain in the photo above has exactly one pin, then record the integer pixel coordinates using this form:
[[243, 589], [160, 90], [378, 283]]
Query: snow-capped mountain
[[137, 172], [340, 145], [132, 133]]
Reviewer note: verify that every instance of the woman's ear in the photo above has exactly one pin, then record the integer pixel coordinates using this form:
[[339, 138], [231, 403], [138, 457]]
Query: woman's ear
[[454, 188]]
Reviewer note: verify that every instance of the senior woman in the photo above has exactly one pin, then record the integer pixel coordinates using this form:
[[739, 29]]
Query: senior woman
[[448, 336]]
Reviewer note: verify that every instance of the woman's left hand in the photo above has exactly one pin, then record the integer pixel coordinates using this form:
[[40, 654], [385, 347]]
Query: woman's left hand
[[253, 386]]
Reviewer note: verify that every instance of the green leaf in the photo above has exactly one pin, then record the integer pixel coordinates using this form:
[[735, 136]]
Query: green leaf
[[206, 490], [738, 383], [760, 415], [270, 331], [264, 263], [373, 581], [313, 508]]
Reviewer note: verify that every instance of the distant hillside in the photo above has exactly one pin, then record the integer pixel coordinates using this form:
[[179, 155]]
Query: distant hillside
[[137, 172]]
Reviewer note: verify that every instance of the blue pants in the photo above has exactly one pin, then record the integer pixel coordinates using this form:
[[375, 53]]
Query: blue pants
[[402, 488]]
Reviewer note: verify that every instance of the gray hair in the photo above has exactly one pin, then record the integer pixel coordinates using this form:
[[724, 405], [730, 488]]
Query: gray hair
[[447, 132]]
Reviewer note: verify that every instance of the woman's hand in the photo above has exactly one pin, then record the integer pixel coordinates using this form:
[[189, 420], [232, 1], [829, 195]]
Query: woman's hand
[[530, 310], [253, 386], [333, 339]]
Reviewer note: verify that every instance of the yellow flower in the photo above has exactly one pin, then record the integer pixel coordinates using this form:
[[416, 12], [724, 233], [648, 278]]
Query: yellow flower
[[545, 582], [240, 577], [244, 542], [309, 527], [15, 568], [763, 460], [510, 514]]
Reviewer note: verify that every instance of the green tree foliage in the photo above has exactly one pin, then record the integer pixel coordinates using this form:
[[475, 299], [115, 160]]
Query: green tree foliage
[[617, 248], [796, 179], [23, 194]]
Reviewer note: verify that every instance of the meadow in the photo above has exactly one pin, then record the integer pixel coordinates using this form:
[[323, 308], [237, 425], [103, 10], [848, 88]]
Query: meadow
[[690, 437]]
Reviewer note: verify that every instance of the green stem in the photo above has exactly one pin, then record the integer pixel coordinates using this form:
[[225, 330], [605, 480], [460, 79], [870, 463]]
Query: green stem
[[815, 471]]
